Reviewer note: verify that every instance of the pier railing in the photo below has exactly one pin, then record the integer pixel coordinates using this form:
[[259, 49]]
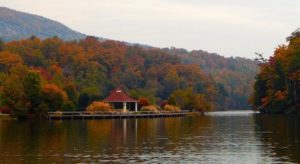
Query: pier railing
[[105, 115]]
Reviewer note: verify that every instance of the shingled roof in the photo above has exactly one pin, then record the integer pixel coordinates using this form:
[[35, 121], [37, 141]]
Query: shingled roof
[[118, 95]]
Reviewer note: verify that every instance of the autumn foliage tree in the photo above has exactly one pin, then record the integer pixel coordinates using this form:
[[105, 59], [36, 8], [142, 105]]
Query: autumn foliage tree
[[9, 60], [188, 100], [53, 97], [32, 87], [277, 86]]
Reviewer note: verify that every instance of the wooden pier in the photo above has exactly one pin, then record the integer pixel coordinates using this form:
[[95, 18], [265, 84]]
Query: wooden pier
[[103, 115]]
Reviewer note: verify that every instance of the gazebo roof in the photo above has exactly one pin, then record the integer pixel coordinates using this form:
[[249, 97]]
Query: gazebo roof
[[118, 95]]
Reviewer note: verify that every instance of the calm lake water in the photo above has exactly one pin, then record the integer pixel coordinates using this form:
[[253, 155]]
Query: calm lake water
[[230, 137]]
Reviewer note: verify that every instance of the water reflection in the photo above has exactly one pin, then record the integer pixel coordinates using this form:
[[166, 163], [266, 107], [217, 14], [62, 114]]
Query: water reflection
[[212, 139], [281, 135]]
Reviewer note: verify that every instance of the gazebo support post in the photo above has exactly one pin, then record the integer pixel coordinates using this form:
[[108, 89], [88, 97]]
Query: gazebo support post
[[135, 106], [124, 107]]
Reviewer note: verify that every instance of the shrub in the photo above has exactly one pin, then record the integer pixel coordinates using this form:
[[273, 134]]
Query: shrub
[[5, 110], [68, 106], [144, 102], [163, 104], [149, 108], [171, 108], [98, 106]]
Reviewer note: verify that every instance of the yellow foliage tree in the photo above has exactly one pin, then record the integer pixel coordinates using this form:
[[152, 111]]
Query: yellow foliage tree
[[9, 60], [150, 108], [53, 97], [201, 104], [171, 108], [98, 106]]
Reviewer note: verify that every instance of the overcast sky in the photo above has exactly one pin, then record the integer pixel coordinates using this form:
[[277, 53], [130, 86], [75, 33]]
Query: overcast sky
[[227, 27]]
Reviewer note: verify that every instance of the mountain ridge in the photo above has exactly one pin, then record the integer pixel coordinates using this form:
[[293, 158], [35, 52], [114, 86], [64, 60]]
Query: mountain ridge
[[15, 25]]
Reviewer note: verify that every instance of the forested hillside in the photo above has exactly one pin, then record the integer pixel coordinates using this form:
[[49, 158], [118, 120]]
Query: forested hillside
[[277, 86], [52, 74], [16, 25], [234, 77]]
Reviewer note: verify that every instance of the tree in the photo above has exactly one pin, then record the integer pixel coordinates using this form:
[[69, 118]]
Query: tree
[[53, 97], [276, 89], [84, 100], [259, 91], [2, 44], [12, 90], [9, 60], [14, 96], [32, 87], [201, 104], [72, 93], [182, 98], [171, 82]]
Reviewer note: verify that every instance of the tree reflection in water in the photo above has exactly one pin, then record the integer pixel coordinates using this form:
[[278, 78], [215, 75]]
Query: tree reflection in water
[[281, 135]]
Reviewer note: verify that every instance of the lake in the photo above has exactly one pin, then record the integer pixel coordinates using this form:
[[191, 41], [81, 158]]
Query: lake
[[220, 137]]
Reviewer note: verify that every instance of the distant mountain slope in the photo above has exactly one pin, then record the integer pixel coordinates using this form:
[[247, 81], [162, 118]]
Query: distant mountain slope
[[16, 25], [234, 76]]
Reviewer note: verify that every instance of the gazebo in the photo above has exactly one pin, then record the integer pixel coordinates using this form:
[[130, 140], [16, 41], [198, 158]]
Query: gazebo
[[120, 99]]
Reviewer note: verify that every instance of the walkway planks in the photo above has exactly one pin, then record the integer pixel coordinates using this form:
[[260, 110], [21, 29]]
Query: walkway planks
[[101, 115]]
